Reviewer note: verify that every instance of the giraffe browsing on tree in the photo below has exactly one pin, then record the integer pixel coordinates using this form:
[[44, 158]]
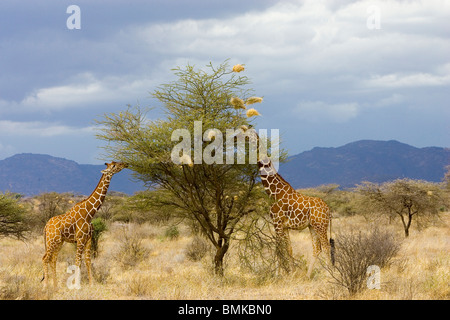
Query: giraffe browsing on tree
[[292, 210], [75, 226]]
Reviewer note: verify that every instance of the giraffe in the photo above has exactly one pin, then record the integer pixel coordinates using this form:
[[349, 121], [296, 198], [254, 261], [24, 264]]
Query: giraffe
[[75, 226], [292, 210]]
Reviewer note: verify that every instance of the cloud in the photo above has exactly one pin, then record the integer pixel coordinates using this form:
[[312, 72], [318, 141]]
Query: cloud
[[318, 58], [391, 100], [290, 44], [313, 47], [318, 111], [289, 29], [6, 150], [83, 91], [407, 80], [40, 129]]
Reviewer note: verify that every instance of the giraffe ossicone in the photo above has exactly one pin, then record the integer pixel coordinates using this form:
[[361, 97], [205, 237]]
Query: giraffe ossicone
[[75, 226]]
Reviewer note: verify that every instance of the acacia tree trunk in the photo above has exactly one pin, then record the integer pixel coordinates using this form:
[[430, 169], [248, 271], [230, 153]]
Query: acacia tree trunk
[[407, 224], [221, 249]]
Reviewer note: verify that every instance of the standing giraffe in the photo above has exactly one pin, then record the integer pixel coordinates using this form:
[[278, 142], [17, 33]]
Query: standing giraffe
[[292, 210], [75, 226]]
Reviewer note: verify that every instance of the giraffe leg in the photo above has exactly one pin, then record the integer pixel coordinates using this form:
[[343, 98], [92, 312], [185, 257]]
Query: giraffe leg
[[87, 260], [48, 253], [46, 260], [54, 258], [284, 248], [49, 261], [78, 256], [79, 253], [316, 250], [53, 267], [287, 240], [283, 242], [325, 244]]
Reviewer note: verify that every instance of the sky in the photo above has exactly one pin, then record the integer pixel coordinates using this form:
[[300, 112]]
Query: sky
[[331, 72]]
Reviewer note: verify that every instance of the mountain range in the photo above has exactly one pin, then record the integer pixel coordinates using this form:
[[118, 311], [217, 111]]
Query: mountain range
[[32, 174], [364, 160]]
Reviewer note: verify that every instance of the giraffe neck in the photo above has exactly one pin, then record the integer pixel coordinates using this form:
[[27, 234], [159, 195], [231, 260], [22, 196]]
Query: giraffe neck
[[95, 200], [274, 184]]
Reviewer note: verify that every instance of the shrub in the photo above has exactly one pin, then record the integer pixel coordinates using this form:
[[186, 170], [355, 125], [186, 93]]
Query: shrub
[[13, 219], [172, 233], [260, 251], [197, 249], [99, 226], [131, 249], [355, 252]]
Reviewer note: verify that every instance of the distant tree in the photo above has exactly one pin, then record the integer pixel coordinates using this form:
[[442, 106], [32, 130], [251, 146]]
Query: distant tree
[[13, 220], [404, 198], [340, 201], [113, 205], [52, 204], [213, 196], [447, 178], [152, 206]]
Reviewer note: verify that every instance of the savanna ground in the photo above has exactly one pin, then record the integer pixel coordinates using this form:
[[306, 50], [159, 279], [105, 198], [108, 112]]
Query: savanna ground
[[152, 261]]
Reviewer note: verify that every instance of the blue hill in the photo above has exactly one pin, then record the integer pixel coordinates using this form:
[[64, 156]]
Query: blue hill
[[32, 174]]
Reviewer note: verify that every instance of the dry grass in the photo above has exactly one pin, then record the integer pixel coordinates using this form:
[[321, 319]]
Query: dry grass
[[421, 270]]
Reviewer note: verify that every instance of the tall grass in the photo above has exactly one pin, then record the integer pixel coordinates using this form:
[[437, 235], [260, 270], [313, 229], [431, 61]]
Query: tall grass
[[164, 268]]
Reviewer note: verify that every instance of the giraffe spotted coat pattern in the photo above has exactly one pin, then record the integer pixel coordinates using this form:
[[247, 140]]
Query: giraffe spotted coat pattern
[[75, 226], [292, 210]]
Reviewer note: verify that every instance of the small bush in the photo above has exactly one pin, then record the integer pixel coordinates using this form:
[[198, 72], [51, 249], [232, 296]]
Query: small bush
[[101, 271], [355, 252], [172, 233], [19, 287], [131, 249], [138, 285], [197, 249], [261, 252], [99, 226]]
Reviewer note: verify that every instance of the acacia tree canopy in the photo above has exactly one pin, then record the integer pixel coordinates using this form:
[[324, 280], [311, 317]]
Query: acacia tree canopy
[[404, 198], [13, 221], [215, 195]]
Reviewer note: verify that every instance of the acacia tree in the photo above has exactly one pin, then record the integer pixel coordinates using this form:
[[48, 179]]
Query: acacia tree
[[51, 204], [213, 195], [447, 178], [404, 198], [13, 220]]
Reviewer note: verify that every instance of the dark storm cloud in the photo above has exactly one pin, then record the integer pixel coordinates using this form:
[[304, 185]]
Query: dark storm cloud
[[326, 77]]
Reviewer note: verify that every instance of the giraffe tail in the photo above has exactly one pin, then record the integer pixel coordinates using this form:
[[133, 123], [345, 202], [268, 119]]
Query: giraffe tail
[[45, 257], [332, 251], [332, 247]]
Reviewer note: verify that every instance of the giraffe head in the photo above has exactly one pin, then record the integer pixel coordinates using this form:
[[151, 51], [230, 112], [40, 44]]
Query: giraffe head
[[114, 167], [248, 131], [265, 163]]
